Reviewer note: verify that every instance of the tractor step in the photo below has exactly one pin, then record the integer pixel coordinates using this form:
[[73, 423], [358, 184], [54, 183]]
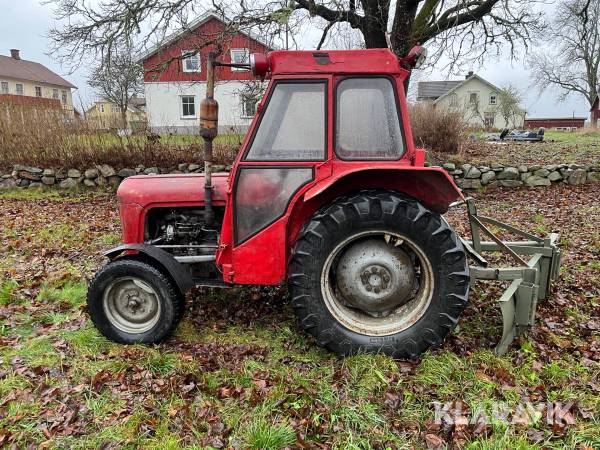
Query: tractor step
[[530, 280]]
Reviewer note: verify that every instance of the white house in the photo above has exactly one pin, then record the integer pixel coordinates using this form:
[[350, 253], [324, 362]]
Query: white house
[[476, 98], [175, 78]]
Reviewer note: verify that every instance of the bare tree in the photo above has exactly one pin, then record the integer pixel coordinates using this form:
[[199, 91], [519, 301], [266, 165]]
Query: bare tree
[[117, 78], [572, 65], [473, 108], [509, 101], [456, 28]]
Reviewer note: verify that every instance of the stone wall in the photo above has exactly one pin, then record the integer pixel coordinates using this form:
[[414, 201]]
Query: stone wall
[[467, 176], [100, 175]]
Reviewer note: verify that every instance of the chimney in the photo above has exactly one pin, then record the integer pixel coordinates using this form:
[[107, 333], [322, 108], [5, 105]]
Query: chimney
[[469, 75], [14, 53]]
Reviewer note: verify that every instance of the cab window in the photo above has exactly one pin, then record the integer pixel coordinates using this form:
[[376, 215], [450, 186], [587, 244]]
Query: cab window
[[292, 127], [367, 124]]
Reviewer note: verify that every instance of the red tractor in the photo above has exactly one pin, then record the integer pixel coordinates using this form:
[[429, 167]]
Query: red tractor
[[328, 194]]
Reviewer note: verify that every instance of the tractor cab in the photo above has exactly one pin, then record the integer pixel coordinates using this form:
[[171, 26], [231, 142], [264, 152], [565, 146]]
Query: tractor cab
[[327, 194], [328, 121]]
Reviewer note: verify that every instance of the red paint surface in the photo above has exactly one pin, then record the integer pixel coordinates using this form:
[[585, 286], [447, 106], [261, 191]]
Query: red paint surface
[[27, 101], [138, 194], [558, 122], [262, 259]]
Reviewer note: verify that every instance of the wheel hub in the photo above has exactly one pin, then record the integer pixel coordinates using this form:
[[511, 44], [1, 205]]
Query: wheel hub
[[131, 305], [375, 277]]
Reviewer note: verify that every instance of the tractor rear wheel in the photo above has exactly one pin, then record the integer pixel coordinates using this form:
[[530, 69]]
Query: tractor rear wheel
[[378, 272], [131, 301]]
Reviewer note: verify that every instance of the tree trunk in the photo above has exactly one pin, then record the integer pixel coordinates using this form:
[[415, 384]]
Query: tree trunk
[[374, 25], [402, 36], [124, 118]]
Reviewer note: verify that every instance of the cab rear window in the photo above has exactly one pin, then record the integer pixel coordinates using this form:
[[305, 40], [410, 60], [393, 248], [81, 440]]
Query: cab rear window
[[367, 124]]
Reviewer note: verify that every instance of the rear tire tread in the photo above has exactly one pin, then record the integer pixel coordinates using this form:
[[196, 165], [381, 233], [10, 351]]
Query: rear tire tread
[[373, 207]]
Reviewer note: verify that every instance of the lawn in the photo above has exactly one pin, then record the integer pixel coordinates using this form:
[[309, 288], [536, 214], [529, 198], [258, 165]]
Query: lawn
[[238, 373], [559, 147]]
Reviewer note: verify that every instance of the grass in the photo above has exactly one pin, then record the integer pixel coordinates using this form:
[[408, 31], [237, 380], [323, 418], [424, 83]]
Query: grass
[[559, 147], [261, 435], [239, 373]]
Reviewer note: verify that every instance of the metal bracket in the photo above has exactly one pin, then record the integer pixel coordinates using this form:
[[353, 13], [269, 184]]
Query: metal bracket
[[530, 280]]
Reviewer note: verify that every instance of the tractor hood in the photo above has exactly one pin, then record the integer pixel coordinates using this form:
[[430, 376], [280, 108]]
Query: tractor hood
[[179, 189]]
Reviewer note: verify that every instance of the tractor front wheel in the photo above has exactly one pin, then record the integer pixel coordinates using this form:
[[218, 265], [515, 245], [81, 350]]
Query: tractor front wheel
[[378, 272], [131, 301]]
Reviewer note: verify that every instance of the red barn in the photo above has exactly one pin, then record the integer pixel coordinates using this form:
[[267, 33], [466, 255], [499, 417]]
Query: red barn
[[595, 112], [175, 77], [555, 123]]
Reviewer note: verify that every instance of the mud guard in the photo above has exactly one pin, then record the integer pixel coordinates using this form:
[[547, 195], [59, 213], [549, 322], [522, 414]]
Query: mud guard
[[178, 272]]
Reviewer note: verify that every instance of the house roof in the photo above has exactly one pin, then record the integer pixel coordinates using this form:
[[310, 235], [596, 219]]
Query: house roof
[[191, 27], [30, 71], [465, 81], [435, 89], [137, 101]]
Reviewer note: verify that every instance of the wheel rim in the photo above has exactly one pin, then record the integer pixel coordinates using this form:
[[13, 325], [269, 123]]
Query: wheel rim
[[131, 305], [377, 283]]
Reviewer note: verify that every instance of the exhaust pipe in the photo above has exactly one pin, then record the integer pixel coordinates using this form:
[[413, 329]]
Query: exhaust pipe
[[209, 128]]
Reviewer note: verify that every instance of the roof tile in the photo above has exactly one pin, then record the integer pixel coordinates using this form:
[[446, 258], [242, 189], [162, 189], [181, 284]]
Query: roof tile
[[30, 71], [435, 89]]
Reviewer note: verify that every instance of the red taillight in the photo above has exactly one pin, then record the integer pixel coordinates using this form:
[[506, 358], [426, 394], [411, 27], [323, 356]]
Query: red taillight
[[259, 64]]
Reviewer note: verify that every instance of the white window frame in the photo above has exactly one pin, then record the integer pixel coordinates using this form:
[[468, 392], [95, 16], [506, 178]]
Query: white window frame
[[182, 116], [55, 94], [2, 85], [246, 59], [493, 96], [22, 89], [64, 97], [476, 94], [39, 89], [101, 108], [192, 54]]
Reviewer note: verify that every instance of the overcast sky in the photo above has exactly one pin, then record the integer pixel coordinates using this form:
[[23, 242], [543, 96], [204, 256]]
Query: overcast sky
[[24, 24]]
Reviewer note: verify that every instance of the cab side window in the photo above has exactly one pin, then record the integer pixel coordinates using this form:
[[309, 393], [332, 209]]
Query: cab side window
[[292, 127], [367, 124]]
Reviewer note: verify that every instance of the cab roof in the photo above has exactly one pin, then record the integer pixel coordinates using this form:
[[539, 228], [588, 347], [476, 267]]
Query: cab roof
[[369, 61]]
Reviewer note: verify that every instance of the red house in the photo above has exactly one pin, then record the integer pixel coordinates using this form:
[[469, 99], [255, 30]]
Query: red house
[[595, 112], [175, 77]]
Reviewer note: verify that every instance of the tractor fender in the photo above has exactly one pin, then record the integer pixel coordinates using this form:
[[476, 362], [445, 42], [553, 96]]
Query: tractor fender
[[178, 272], [431, 186]]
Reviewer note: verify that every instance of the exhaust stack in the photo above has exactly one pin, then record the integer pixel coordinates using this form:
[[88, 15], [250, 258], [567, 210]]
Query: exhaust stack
[[209, 128]]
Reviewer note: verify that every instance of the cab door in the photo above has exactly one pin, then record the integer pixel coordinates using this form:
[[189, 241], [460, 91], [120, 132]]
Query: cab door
[[287, 152]]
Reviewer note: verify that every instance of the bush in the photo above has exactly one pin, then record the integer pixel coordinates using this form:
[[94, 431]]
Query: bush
[[48, 139], [437, 130]]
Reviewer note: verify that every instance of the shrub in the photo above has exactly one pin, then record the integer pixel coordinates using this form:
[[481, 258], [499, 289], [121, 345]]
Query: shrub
[[47, 139], [436, 129]]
